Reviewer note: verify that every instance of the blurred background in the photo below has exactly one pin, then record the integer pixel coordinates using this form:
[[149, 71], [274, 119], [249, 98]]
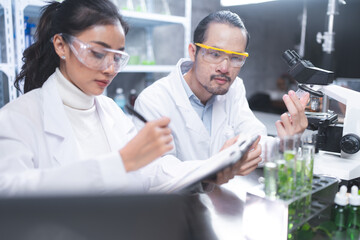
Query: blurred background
[[162, 29]]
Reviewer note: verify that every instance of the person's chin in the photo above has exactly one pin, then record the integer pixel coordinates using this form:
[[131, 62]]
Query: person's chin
[[220, 92], [96, 92]]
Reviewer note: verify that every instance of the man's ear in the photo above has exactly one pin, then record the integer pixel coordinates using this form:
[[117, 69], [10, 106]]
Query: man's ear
[[60, 46], [192, 51]]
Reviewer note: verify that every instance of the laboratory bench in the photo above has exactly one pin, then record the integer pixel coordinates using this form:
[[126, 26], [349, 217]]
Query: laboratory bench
[[239, 208], [214, 215]]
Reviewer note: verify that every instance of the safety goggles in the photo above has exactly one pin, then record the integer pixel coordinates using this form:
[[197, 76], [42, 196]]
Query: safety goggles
[[217, 55], [96, 57]]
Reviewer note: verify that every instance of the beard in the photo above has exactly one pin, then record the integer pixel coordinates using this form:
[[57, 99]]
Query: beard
[[217, 90]]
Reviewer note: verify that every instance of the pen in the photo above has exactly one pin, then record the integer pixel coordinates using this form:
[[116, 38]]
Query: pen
[[131, 110]]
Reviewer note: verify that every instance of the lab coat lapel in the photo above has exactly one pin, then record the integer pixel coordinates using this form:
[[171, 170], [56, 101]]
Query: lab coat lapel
[[57, 127], [183, 104], [108, 124]]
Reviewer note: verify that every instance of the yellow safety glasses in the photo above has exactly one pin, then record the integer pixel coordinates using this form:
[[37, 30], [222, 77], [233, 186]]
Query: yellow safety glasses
[[217, 55]]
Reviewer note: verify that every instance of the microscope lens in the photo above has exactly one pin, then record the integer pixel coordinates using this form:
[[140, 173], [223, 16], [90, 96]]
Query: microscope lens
[[300, 93], [315, 104]]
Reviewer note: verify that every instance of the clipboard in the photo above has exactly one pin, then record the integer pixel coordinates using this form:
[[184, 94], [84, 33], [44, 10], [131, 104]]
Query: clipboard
[[209, 167]]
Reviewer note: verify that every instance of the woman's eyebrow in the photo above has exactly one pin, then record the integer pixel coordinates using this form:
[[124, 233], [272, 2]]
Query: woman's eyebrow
[[107, 45]]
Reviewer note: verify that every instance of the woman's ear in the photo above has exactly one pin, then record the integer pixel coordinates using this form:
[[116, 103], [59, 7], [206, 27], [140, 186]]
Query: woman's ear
[[60, 46], [192, 51]]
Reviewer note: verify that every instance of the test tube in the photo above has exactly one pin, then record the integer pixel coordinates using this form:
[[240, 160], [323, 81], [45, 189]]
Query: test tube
[[270, 168], [270, 174], [288, 149]]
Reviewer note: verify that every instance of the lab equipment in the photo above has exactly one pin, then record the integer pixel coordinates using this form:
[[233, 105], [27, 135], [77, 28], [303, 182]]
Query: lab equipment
[[132, 97], [339, 142], [139, 5], [339, 214], [159, 6], [134, 56], [353, 221], [270, 175], [288, 150], [265, 218], [308, 155], [150, 56], [120, 98], [271, 159]]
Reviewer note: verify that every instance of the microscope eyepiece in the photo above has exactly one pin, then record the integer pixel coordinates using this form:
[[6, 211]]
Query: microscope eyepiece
[[291, 57], [304, 71]]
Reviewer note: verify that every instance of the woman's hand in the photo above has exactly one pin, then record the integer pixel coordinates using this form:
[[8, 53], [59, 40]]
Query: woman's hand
[[152, 141]]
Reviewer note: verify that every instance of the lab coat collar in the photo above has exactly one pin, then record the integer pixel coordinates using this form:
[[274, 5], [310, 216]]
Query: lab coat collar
[[219, 115], [55, 120], [57, 127], [178, 89], [185, 107], [108, 124]]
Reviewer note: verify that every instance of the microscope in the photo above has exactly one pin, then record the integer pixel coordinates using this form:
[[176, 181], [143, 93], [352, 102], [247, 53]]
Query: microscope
[[337, 144]]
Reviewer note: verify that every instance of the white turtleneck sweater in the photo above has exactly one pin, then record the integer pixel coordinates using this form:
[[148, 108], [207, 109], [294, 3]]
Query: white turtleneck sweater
[[84, 118]]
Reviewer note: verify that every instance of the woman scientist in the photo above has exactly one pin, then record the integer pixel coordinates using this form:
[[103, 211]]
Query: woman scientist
[[63, 136]]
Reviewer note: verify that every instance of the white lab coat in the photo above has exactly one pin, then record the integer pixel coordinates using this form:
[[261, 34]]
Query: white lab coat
[[231, 116], [39, 155]]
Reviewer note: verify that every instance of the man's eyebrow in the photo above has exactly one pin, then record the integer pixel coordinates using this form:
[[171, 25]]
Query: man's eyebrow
[[106, 45], [226, 49]]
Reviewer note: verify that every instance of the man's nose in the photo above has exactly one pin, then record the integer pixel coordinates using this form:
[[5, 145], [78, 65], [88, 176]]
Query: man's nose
[[224, 65]]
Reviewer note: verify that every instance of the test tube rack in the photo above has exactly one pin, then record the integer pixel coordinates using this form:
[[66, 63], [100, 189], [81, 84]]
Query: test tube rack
[[266, 218]]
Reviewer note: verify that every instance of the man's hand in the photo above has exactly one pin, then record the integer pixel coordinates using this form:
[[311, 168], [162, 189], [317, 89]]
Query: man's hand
[[249, 162], [295, 121], [229, 142], [243, 166]]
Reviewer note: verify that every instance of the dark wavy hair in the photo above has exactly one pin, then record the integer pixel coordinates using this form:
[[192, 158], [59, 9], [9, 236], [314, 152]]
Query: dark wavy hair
[[71, 17], [223, 16]]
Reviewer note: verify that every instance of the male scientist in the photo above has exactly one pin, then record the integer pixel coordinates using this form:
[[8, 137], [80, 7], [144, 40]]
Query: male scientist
[[206, 101]]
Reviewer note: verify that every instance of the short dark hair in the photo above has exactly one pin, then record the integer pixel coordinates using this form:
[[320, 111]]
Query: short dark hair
[[71, 17], [224, 16]]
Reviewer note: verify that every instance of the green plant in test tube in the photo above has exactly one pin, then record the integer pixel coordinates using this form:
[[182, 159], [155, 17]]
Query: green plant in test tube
[[300, 175], [300, 185], [292, 217], [289, 151], [282, 185], [289, 156], [308, 156], [307, 205]]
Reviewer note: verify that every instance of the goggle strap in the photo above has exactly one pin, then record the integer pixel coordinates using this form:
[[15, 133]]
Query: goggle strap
[[222, 50]]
